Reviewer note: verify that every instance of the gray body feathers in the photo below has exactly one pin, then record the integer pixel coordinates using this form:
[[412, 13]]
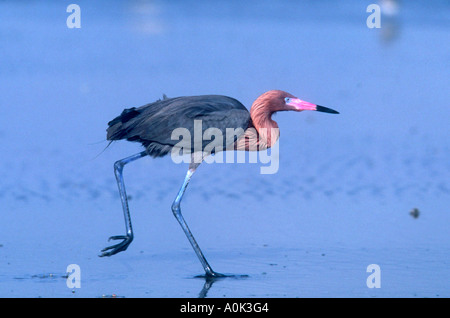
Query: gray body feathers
[[152, 124]]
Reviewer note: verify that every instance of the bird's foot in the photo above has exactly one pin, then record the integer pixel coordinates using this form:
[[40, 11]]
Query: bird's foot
[[120, 247], [211, 275], [214, 274]]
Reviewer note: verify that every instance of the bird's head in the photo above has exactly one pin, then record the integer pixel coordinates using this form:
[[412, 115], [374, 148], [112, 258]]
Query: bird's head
[[276, 100]]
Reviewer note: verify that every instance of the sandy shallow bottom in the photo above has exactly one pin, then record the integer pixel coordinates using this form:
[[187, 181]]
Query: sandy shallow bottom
[[291, 253]]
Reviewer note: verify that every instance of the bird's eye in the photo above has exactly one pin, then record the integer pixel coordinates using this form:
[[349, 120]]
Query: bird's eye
[[287, 100]]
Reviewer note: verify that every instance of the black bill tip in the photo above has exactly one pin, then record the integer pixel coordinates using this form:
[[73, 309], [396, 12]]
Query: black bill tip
[[326, 110]]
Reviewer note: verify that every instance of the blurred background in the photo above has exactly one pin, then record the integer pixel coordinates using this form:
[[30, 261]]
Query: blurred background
[[345, 189]]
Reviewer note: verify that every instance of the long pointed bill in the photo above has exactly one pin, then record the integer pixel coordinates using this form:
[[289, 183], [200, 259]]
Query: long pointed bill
[[303, 105]]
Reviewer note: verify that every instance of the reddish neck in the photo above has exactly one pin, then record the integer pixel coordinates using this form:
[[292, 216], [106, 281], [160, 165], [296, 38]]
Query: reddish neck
[[261, 115], [263, 132], [261, 119]]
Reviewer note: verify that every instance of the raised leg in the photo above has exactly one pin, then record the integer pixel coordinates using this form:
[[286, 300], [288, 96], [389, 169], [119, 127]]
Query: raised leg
[[128, 237], [177, 212]]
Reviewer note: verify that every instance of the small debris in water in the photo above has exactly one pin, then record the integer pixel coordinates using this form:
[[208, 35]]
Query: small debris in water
[[112, 296], [414, 213]]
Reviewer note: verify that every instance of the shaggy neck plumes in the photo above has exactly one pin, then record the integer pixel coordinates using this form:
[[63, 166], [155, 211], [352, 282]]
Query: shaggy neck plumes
[[263, 132]]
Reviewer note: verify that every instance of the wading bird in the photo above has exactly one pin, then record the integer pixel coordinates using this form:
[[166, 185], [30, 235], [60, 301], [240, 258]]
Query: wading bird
[[152, 125]]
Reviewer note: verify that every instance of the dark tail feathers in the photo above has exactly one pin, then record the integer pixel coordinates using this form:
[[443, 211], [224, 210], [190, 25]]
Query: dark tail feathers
[[115, 129]]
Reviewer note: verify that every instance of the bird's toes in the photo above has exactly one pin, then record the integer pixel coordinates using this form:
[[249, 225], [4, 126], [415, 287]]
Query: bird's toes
[[114, 249], [110, 250]]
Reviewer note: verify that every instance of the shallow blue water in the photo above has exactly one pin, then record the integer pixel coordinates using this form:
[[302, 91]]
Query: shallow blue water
[[339, 202]]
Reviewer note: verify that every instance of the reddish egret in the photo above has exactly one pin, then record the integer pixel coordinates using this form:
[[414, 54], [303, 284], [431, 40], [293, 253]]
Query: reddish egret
[[152, 125]]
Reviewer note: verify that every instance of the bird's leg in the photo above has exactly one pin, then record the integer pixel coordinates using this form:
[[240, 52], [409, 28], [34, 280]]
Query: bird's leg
[[128, 237], [177, 212]]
